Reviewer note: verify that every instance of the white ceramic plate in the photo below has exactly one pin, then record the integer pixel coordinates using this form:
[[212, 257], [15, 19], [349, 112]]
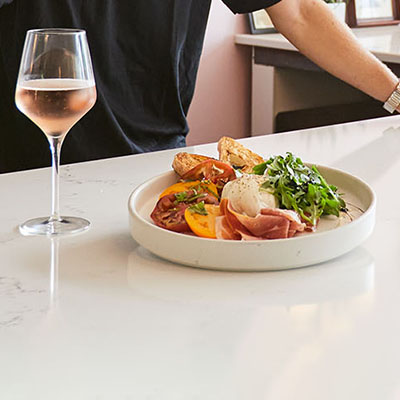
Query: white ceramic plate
[[333, 238]]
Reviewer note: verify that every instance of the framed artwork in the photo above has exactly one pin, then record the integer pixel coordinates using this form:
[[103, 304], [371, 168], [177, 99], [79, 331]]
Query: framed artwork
[[373, 12], [260, 22]]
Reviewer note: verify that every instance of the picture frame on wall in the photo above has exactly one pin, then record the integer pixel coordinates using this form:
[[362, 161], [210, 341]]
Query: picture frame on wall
[[367, 13], [260, 22]]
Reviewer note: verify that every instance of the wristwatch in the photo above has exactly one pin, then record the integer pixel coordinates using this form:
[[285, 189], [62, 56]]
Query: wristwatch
[[393, 101]]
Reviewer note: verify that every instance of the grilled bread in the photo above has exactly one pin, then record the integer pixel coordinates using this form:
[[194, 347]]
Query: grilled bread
[[236, 155], [183, 162]]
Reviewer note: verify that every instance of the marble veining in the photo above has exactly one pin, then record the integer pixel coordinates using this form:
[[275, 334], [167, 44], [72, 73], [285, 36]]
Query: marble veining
[[17, 302], [95, 316]]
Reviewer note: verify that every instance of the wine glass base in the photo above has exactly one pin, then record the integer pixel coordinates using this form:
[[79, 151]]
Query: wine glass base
[[43, 226]]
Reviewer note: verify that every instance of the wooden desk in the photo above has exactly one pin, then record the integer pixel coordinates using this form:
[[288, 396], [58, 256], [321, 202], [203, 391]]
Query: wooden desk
[[284, 80]]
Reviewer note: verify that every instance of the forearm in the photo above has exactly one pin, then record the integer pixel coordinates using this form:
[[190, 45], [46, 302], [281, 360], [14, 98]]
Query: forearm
[[310, 26]]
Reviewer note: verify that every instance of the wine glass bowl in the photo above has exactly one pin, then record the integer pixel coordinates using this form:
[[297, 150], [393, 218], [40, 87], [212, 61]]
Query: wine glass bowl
[[55, 105], [55, 89]]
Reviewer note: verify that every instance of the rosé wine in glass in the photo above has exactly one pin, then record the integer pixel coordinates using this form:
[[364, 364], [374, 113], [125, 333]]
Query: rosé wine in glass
[[55, 89], [55, 105]]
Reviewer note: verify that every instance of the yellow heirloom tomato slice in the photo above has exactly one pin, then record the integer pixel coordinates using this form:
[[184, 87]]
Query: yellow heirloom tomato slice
[[203, 225], [201, 186]]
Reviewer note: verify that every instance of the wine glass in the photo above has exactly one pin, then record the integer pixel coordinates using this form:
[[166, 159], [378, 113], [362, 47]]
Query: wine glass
[[55, 89]]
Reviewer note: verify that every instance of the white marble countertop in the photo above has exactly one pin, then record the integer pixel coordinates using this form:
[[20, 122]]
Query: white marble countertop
[[382, 41], [95, 317]]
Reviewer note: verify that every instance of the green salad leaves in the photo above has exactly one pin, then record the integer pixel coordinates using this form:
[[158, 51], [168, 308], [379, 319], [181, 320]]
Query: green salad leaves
[[300, 188]]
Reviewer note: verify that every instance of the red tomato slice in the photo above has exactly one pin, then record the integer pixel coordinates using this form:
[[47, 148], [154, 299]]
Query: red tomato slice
[[169, 212], [213, 170]]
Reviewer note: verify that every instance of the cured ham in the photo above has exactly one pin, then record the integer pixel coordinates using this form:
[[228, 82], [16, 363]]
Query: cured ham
[[270, 223], [224, 231]]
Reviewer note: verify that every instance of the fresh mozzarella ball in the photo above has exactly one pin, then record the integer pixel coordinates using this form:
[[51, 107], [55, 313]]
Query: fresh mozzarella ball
[[246, 197]]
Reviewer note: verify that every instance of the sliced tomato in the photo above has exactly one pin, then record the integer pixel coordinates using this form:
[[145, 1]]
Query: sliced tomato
[[203, 225], [213, 170], [171, 216], [199, 186], [169, 212]]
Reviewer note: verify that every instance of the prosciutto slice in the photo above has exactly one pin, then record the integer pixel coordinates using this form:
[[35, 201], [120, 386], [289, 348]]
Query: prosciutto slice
[[224, 231], [271, 223]]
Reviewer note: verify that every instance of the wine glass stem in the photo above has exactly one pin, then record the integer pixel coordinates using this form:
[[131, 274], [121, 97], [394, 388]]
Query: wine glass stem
[[55, 147]]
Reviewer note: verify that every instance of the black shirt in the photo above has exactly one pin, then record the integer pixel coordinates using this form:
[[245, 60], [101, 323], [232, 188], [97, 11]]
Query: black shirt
[[145, 55]]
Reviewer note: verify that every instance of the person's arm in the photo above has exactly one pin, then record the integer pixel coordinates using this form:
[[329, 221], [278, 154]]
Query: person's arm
[[311, 27]]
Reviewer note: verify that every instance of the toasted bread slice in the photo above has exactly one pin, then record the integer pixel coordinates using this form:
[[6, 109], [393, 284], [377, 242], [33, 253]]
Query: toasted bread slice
[[236, 155], [183, 162]]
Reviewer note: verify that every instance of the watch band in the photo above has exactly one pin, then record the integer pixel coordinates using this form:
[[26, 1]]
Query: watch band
[[393, 101]]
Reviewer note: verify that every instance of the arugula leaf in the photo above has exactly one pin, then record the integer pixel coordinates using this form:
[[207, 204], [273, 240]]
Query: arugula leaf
[[300, 188], [260, 168], [198, 208]]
